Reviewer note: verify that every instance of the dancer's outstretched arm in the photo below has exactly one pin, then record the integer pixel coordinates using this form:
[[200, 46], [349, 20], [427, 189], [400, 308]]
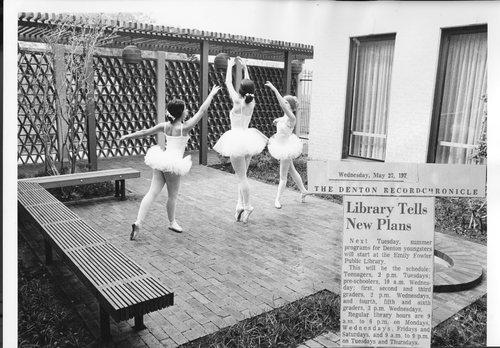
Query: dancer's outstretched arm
[[229, 80], [189, 124], [246, 74], [145, 132], [283, 103]]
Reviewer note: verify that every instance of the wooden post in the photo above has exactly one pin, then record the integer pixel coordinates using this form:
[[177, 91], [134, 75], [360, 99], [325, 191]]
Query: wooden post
[[160, 94], [90, 112], [104, 324], [287, 73], [204, 46], [60, 81], [139, 322]]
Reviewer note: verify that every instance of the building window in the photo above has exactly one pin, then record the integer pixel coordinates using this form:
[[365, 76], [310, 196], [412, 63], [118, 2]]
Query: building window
[[369, 85], [459, 107]]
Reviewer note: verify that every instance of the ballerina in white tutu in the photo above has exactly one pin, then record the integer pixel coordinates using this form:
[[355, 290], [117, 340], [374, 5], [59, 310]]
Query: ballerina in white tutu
[[240, 143], [286, 146], [168, 165]]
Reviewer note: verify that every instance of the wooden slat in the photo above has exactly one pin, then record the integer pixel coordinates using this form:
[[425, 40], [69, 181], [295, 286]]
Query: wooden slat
[[103, 266], [24, 185], [97, 270], [157, 286], [144, 306], [49, 213], [84, 178], [35, 197], [119, 303], [135, 286], [128, 289], [82, 259], [122, 259], [75, 234]]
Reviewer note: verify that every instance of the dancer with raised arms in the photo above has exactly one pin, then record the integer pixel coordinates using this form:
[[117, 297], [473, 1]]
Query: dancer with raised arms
[[240, 143], [169, 164], [286, 146]]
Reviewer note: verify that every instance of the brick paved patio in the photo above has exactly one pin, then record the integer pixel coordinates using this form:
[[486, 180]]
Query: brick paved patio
[[221, 271]]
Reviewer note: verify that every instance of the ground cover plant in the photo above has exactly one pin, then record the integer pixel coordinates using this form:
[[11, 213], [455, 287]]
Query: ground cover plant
[[287, 326], [467, 328], [45, 317]]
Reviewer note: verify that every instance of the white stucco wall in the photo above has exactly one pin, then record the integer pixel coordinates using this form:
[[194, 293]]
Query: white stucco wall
[[418, 31]]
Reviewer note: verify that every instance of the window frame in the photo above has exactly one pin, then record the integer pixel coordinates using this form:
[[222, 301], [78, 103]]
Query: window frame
[[350, 89], [444, 46]]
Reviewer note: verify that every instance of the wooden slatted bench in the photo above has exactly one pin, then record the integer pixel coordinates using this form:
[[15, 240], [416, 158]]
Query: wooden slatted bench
[[118, 175], [123, 289]]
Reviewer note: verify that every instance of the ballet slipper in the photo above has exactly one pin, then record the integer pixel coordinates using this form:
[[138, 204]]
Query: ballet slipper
[[246, 214], [174, 226], [303, 196], [237, 214], [135, 231], [277, 204]]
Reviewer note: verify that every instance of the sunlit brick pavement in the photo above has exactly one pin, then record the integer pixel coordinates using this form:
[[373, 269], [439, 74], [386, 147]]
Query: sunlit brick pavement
[[222, 271]]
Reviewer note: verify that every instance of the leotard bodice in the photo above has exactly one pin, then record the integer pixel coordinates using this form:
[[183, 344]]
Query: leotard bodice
[[175, 144], [283, 127], [238, 119]]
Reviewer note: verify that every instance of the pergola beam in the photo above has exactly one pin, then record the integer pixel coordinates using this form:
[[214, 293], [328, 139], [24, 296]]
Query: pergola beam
[[124, 32]]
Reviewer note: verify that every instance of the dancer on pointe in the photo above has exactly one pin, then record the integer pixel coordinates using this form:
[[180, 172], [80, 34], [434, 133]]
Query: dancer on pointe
[[240, 143], [286, 146], [168, 165]]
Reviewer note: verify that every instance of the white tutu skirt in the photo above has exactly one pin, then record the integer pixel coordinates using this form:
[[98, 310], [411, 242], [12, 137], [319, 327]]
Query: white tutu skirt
[[241, 142], [167, 161], [285, 147]]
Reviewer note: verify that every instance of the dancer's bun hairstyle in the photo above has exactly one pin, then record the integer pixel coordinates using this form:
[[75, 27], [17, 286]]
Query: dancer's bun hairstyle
[[247, 89], [248, 98], [175, 109]]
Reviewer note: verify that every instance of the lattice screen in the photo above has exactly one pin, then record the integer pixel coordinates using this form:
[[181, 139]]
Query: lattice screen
[[125, 96], [267, 107], [35, 107], [182, 82], [125, 101]]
